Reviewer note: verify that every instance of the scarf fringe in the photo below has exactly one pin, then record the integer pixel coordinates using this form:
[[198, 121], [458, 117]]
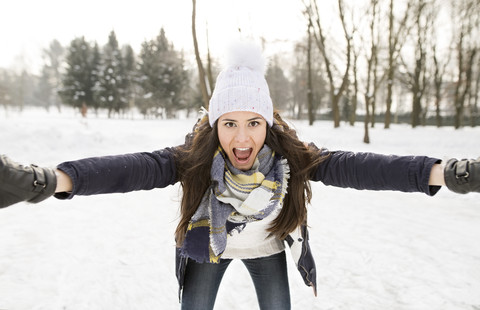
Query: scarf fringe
[[286, 176]]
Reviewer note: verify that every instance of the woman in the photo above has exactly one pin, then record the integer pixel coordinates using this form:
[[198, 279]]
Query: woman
[[245, 177]]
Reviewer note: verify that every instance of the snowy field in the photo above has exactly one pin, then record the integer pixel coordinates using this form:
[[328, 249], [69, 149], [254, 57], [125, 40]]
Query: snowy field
[[373, 250]]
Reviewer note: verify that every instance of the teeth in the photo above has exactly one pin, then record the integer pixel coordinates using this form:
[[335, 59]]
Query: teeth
[[242, 148]]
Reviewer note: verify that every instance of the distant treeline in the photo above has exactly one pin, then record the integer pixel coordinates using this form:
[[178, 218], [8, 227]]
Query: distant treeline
[[388, 67]]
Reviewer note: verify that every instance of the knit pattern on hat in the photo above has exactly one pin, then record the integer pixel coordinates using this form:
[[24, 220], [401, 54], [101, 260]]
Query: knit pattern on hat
[[241, 86]]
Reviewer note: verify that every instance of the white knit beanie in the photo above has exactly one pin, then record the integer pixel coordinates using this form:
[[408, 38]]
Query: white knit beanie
[[241, 85]]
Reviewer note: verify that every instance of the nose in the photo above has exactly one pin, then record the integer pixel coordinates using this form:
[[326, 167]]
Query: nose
[[241, 135]]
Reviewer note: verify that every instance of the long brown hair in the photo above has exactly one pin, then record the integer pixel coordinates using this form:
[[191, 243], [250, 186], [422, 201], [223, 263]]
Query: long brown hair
[[194, 161]]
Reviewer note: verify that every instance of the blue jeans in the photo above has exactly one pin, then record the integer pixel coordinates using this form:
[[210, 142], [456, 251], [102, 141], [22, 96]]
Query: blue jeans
[[269, 275]]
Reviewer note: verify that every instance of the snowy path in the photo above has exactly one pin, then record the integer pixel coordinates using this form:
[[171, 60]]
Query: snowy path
[[374, 250]]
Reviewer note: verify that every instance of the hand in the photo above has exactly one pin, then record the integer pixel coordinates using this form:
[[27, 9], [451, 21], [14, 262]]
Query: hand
[[24, 183], [463, 176]]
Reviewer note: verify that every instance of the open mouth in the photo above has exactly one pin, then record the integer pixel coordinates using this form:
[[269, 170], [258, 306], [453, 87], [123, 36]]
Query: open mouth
[[242, 154]]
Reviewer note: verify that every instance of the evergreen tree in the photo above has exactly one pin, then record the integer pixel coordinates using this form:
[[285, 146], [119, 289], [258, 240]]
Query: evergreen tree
[[146, 78], [95, 69], [5, 89], [193, 94], [81, 74], [23, 94], [162, 77], [129, 65], [177, 85], [44, 89], [111, 86], [278, 84], [17, 90]]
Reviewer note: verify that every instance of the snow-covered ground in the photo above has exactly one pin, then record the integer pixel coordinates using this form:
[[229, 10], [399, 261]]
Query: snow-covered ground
[[373, 250]]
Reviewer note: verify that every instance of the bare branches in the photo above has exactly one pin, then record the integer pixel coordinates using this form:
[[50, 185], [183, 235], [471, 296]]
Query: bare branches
[[314, 20], [467, 46], [396, 39]]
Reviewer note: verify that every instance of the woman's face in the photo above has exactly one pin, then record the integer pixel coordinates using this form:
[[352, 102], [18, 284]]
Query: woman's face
[[242, 135]]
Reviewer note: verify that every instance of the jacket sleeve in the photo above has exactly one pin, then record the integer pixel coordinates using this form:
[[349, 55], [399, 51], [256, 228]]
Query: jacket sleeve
[[120, 173], [376, 171]]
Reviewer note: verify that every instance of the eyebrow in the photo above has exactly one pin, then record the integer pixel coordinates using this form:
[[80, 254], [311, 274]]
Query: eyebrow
[[234, 120]]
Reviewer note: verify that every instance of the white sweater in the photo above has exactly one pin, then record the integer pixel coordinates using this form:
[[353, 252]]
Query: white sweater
[[254, 241]]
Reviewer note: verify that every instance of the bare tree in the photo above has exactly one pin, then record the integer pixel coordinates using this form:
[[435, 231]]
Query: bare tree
[[309, 77], [416, 76], [370, 83], [53, 57], [5, 89], [201, 71], [466, 22], [438, 77], [306, 82], [474, 113], [396, 39], [298, 83], [211, 82], [353, 110], [313, 15], [440, 63]]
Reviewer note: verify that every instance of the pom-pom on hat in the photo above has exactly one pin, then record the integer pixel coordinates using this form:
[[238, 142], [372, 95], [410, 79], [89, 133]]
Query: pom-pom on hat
[[241, 85]]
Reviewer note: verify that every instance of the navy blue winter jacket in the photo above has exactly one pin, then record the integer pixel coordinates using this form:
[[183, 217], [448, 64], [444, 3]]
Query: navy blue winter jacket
[[148, 170], [144, 171]]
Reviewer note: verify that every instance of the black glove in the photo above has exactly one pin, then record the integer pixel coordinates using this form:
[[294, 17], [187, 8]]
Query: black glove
[[24, 183], [463, 176]]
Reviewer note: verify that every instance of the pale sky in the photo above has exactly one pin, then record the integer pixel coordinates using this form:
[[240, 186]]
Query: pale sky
[[28, 26]]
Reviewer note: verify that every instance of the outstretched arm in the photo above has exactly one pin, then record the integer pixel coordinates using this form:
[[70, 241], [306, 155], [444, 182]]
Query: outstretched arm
[[401, 173], [89, 176], [116, 174], [370, 171]]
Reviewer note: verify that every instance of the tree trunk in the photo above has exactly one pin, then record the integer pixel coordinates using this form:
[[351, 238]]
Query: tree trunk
[[353, 112], [391, 68], [366, 136], [394, 37], [475, 114], [335, 93], [311, 116], [336, 111], [201, 71], [211, 81], [437, 82], [465, 79]]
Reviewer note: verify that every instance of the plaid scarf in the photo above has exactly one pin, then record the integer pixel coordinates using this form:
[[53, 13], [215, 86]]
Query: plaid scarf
[[234, 199]]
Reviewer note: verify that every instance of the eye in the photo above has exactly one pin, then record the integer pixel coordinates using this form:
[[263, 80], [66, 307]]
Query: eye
[[229, 124], [254, 123]]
